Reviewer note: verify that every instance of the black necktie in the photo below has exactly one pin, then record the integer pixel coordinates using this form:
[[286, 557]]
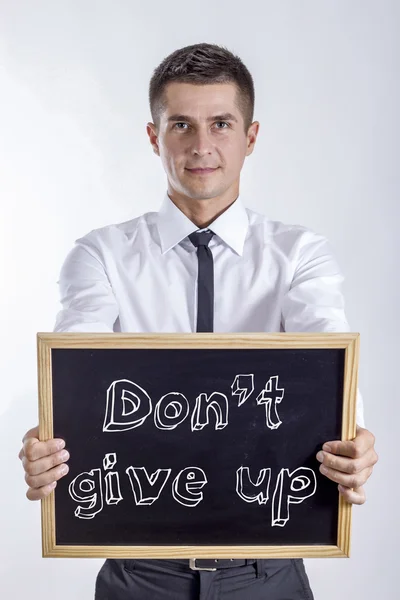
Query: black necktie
[[205, 280]]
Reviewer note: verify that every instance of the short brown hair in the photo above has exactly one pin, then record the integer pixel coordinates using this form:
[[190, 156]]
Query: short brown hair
[[202, 64]]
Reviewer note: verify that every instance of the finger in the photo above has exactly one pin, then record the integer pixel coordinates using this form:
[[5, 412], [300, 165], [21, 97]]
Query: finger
[[38, 481], [356, 496], [34, 449], [43, 465], [355, 448], [348, 465], [38, 494], [340, 448], [32, 433], [350, 481]]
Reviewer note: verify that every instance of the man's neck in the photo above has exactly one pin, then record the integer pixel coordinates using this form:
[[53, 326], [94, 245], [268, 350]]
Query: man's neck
[[202, 212]]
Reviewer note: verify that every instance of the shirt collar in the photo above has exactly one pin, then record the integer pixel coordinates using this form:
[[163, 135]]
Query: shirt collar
[[231, 226]]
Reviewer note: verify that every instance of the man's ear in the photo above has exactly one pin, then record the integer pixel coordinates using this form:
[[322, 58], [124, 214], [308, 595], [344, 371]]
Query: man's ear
[[153, 136], [252, 136]]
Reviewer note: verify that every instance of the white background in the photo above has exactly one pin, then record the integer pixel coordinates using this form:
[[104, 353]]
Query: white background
[[74, 155]]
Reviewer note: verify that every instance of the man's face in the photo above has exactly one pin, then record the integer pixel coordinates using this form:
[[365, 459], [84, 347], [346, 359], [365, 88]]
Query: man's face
[[202, 128]]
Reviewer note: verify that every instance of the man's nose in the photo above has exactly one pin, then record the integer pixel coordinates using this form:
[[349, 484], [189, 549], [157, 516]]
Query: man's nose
[[201, 142]]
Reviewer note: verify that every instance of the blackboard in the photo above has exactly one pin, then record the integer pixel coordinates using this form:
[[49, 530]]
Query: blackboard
[[196, 444]]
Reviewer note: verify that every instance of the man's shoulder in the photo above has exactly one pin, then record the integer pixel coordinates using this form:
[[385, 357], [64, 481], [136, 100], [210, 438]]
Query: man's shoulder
[[118, 232], [282, 231], [141, 227]]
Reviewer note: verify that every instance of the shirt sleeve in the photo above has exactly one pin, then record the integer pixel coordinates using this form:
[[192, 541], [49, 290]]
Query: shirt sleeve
[[314, 301], [87, 299]]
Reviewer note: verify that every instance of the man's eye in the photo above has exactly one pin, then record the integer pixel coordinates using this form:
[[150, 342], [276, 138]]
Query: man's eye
[[181, 123]]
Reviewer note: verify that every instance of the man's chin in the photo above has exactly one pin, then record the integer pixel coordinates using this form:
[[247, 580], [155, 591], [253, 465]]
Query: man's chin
[[201, 194]]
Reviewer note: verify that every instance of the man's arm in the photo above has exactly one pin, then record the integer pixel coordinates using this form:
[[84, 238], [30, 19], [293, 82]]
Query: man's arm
[[315, 303], [87, 299], [88, 305]]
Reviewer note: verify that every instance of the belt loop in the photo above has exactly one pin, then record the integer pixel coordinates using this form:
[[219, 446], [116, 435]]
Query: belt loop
[[260, 567]]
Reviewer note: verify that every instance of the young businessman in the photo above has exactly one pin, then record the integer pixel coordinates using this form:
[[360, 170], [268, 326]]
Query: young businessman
[[204, 262]]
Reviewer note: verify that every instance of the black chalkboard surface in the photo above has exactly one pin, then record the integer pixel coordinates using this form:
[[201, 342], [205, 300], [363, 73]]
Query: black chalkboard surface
[[190, 445]]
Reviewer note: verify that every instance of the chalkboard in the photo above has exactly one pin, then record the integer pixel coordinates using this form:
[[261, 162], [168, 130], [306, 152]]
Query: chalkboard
[[196, 445]]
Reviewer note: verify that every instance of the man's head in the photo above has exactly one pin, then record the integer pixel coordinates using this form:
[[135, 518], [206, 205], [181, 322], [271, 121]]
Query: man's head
[[202, 103]]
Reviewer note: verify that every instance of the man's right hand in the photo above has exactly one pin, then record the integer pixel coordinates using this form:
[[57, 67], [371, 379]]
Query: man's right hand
[[43, 462]]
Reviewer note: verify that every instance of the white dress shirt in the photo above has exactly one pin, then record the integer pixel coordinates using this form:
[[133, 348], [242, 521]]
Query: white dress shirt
[[141, 276]]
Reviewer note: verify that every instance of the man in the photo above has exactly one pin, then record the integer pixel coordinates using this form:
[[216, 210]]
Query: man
[[204, 262]]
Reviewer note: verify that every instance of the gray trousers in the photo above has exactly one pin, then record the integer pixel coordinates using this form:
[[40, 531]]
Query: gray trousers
[[160, 579]]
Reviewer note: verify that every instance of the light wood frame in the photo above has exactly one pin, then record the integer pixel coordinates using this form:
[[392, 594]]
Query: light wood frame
[[47, 341]]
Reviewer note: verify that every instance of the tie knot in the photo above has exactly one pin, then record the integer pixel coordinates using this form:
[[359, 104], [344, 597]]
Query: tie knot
[[201, 238]]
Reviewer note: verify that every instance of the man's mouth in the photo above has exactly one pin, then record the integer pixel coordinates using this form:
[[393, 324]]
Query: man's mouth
[[202, 171]]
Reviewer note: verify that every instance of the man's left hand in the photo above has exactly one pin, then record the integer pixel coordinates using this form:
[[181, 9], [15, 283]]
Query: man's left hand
[[350, 464]]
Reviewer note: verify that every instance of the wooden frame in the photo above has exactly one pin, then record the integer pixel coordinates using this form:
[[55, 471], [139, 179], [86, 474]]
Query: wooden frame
[[47, 341]]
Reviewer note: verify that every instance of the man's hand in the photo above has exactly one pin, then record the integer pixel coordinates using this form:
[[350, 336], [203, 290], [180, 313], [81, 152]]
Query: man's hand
[[350, 464], [43, 462]]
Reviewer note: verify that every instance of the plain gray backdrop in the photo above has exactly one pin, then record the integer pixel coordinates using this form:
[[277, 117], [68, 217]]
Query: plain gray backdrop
[[74, 155]]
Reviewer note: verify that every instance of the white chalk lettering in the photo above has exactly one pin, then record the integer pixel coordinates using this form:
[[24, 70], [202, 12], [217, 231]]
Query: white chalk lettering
[[253, 492], [291, 488], [186, 484], [86, 488], [243, 386], [270, 396], [113, 491], [177, 404], [146, 489], [218, 402], [128, 405], [109, 461]]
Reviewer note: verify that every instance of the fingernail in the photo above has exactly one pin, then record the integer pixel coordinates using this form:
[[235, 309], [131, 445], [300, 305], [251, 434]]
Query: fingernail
[[323, 469], [53, 485], [64, 455], [327, 448], [320, 456], [60, 444], [64, 469]]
